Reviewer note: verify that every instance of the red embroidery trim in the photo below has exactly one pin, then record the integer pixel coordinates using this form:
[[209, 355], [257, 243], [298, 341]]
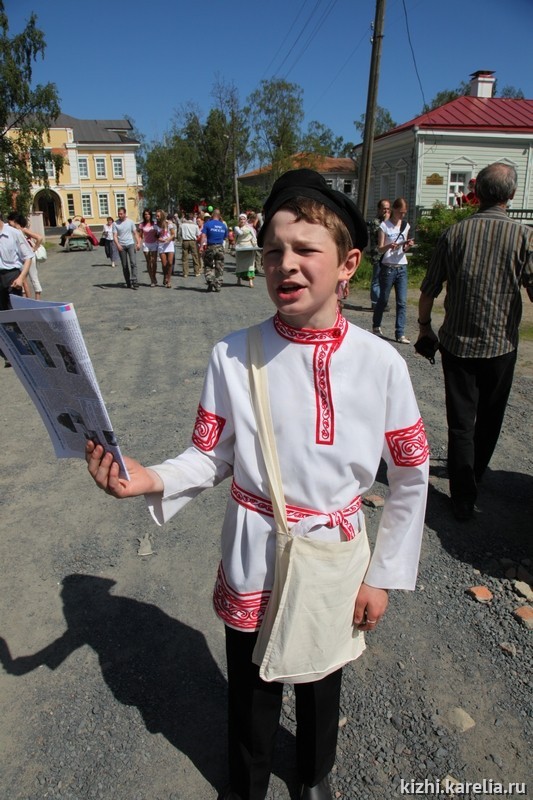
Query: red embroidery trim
[[310, 336], [408, 446], [326, 342], [325, 415], [295, 513], [207, 429], [244, 611]]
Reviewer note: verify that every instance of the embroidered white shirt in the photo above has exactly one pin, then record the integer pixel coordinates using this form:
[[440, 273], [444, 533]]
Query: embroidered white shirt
[[341, 399]]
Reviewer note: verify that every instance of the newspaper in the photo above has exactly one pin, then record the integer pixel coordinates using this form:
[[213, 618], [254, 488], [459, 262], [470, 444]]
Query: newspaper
[[44, 343]]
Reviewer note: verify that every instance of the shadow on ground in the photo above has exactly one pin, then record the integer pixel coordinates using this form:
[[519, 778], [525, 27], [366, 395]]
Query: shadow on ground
[[501, 527], [154, 662]]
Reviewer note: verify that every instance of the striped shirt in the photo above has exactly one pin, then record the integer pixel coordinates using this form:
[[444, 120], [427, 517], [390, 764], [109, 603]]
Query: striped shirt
[[483, 260]]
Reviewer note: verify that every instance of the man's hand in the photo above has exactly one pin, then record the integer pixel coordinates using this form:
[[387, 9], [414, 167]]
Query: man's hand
[[370, 605], [105, 473]]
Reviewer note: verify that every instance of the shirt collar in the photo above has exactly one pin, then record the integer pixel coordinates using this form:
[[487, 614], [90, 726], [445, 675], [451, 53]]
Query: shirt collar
[[309, 335]]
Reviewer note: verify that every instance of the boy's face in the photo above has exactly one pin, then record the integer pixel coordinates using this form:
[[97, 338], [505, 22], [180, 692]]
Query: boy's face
[[302, 270]]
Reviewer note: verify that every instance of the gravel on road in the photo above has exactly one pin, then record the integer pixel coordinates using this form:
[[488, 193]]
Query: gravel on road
[[114, 686]]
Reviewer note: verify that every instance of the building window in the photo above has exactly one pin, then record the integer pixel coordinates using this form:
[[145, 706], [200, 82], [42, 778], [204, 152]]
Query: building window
[[400, 184], [118, 168], [329, 182], [99, 167], [70, 205], [348, 187], [384, 186], [83, 167], [120, 200], [49, 165], [86, 205], [103, 205], [458, 181]]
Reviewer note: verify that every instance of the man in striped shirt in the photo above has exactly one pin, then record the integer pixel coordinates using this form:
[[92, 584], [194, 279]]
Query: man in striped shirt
[[484, 260]]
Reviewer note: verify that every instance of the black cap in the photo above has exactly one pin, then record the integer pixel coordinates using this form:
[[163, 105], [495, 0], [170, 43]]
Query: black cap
[[308, 183]]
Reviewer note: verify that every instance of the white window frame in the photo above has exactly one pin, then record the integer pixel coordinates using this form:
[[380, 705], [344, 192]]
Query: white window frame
[[345, 182], [120, 200], [98, 162], [103, 210], [49, 164], [457, 184], [71, 208], [86, 203], [461, 165], [401, 183], [83, 160], [384, 185], [118, 160]]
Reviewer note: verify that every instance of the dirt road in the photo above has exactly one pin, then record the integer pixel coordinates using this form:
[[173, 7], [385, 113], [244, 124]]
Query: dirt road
[[115, 663]]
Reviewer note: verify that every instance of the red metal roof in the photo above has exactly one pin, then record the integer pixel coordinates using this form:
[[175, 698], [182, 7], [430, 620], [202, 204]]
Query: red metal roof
[[322, 164], [492, 114]]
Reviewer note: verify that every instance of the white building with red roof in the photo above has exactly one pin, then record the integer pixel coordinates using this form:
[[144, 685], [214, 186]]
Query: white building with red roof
[[432, 157], [339, 173]]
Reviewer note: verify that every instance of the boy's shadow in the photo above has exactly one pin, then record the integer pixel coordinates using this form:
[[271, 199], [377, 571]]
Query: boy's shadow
[[148, 660]]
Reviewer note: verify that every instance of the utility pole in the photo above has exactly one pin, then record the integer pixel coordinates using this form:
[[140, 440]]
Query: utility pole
[[365, 166], [236, 185]]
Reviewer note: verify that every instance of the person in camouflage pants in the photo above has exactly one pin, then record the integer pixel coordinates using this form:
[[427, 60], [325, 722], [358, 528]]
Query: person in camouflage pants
[[214, 232]]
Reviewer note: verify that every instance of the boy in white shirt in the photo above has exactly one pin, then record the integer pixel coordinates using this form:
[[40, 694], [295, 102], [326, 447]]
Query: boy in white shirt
[[343, 401]]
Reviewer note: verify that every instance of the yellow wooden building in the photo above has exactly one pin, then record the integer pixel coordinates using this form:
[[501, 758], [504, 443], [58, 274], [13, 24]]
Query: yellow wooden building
[[99, 174]]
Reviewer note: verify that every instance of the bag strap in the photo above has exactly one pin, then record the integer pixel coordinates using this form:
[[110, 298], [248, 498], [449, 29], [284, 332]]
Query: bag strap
[[403, 226], [265, 430]]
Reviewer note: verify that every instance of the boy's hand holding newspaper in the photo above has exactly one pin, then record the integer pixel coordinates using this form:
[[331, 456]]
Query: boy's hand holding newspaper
[[105, 472]]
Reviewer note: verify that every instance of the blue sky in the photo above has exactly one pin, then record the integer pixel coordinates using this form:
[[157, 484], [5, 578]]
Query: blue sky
[[110, 58]]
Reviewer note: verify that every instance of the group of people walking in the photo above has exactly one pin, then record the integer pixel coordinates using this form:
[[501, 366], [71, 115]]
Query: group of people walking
[[204, 239]]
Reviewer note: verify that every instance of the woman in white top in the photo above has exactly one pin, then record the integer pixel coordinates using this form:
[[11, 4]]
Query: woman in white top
[[109, 242], [245, 244], [165, 246], [34, 240], [393, 242]]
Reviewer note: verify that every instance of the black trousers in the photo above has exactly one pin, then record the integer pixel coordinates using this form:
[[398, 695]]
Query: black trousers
[[254, 708], [477, 391], [7, 276]]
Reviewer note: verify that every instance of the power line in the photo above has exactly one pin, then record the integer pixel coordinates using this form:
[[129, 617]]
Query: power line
[[313, 33], [297, 17], [330, 84], [298, 37], [413, 53]]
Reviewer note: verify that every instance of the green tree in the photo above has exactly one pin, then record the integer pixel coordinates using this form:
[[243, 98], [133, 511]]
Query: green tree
[[275, 112], [512, 93], [321, 140], [26, 114], [463, 90], [429, 228], [446, 96], [384, 122], [169, 168]]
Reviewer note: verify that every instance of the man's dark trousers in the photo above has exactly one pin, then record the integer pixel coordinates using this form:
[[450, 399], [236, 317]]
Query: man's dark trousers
[[477, 391]]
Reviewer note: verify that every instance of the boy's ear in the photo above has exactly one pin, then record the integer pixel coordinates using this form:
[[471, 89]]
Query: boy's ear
[[349, 268]]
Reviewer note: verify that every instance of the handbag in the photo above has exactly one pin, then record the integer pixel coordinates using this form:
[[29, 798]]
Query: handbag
[[40, 253], [308, 630], [102, 241]]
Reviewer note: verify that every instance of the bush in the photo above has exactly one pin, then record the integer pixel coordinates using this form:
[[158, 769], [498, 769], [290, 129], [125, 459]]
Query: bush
[[363, 276], [428, 230]]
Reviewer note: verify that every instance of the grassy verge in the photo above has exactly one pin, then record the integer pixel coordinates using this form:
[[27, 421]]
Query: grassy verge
[[363, 276]]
